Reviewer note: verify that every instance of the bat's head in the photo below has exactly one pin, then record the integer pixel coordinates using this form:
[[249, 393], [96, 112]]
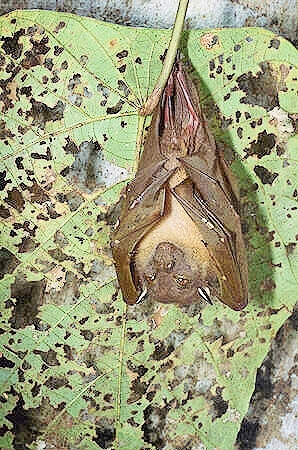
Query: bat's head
[[170, 276]]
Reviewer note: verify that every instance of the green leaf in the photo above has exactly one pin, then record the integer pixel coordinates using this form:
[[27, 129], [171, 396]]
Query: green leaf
[[82, 364]]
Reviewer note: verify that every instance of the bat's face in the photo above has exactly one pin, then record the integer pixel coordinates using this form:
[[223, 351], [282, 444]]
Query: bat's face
[[170, 276]]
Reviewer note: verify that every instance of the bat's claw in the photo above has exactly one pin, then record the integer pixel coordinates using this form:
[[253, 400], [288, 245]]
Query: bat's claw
[[205, 295], [142, 296]]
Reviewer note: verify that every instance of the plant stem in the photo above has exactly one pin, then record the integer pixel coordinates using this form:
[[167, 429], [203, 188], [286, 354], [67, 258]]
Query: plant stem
[[154, 97]]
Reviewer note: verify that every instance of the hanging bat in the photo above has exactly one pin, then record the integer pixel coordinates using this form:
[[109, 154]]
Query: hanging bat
[[179, 237]]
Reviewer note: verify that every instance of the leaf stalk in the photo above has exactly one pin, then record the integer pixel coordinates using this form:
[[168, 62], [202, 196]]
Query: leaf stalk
[[153, 99]]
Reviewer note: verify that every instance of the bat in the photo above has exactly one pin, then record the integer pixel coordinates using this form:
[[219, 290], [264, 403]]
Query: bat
[[179, 238]]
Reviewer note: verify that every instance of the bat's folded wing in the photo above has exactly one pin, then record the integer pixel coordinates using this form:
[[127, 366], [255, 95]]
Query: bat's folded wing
[[211, 208], [143, 207]]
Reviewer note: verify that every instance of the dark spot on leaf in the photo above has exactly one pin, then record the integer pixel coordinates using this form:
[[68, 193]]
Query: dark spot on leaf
[[64, 65], [247, 435], [112, 214], [15, 199], [59, 27], [153, 427], [70, 147], [55, 382], [11, 45], [104, 90], [58, 50], [105, 434], [123, 87], [26, 90], [4, 132], [49, 357], [25, 424], [237, 47], [4, 212], [262, 146], [26, 227], [42, 113], [36, 389], [162, 351], [226, 97], [226, 122], [27, 245], [122, 54], [55, 79], [8, 262], [51, 211], [211, 65], [46, 157], [94, 150], [3, 180], [28, 297], [48, 63], [162, 57], [60, 256], [9, 90], [285, 163], [123, 124], [6, 363], [265, 175], [83, 60], [274, 43], [138, 389], [64, 172], [122, 69], [115, 109], [280, 150], [138, 60], [290, 248], [240, 132], [87, 335], [230, 353], [219, 404], [261, 89], [38, 195], [34, 57]]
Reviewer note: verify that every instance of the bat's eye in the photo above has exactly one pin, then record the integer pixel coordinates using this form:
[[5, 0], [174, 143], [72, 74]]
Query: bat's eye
[[150, 277], [182, 282]]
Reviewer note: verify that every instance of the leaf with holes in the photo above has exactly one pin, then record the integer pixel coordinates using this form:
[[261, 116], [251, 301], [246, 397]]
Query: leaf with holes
[[77, 364]]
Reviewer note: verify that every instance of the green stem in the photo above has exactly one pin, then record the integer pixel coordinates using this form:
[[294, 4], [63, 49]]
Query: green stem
[[154, 97]]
